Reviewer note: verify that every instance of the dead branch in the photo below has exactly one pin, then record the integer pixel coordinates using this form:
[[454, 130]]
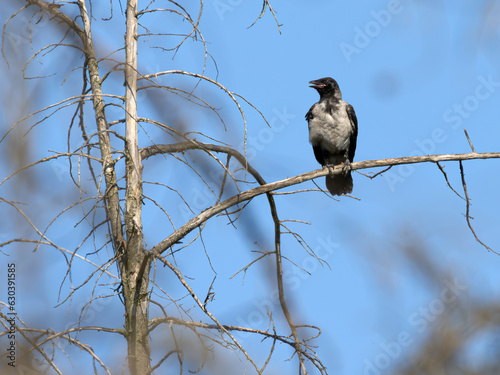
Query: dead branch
[[136, 278], [267, 188], [252, 193], [467, 207], [447, 181], [183, 146], [204, 309]]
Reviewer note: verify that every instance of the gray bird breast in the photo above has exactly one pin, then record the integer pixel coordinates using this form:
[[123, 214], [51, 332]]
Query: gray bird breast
[[330, 129]]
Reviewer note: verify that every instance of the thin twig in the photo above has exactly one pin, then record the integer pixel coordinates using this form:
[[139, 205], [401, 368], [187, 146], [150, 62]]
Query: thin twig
[[470, 142], [467, 207], [204, 309], [447, 181], [376, 174]]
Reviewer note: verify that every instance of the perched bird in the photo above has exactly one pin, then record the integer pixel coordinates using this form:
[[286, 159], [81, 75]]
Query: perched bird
[[333, 130]]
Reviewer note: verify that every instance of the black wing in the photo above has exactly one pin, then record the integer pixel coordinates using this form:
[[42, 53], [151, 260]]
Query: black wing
[[320, 155], [309, 114], [354, 134]]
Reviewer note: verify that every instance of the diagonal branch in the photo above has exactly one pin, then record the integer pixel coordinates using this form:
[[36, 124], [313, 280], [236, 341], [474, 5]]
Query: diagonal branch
[[447, 181], [54, 11], [267, 189], [192, 144], [252, 193], [203, 307]]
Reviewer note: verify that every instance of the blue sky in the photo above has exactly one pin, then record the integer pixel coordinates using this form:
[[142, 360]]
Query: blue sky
[[417, 74], [420, 73]]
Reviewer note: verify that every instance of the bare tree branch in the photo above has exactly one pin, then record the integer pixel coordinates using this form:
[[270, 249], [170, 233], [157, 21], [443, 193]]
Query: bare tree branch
[[467, 207], [121, 197], [183, 146], [252, 193]]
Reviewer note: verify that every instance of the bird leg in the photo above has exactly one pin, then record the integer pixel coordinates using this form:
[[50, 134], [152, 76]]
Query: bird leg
[[347, 166], [330, 169], [326, 162]]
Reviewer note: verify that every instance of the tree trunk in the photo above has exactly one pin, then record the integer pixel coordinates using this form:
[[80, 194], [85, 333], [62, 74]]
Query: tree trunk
[[136, 262]]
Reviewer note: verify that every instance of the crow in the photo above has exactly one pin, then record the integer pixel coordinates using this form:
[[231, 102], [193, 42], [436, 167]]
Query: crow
[[333, 131]]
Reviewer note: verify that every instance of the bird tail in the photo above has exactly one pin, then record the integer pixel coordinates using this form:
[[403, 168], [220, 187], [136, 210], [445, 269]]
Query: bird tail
[[340, 183]]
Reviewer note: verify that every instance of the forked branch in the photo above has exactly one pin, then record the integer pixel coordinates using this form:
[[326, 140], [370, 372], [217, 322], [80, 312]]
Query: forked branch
[[192, 144], [267, 189]]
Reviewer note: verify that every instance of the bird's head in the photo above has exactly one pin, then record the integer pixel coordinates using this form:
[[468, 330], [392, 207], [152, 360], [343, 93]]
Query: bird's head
[[326, 87]]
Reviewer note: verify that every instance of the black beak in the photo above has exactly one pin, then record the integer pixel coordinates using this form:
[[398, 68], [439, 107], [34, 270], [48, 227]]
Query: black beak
[[316, 84]]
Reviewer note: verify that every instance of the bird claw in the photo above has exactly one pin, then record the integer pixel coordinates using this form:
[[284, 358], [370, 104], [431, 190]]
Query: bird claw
[[330, 167], [347, 166]]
